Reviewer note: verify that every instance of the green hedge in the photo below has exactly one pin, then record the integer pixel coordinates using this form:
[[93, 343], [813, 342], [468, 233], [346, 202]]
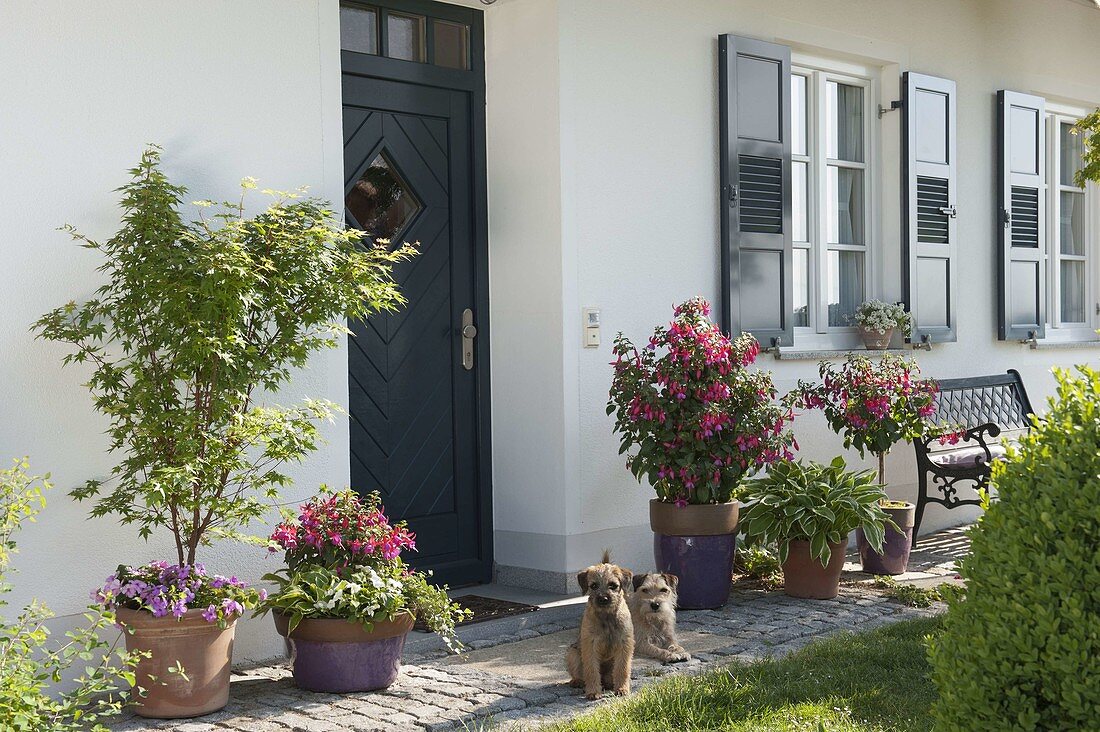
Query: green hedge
[[1022, 650]]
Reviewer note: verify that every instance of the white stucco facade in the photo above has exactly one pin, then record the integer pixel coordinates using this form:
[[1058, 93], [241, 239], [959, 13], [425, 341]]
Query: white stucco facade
[[603, 192]]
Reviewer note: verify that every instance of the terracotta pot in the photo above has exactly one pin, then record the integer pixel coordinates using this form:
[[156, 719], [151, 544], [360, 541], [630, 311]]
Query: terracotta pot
[[895, 547], [204, 650], [875, 341], [697, 544], [803, 575], [339, 656]]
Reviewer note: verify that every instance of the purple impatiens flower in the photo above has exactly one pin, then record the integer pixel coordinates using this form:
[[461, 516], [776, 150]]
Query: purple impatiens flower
[[164, 589]]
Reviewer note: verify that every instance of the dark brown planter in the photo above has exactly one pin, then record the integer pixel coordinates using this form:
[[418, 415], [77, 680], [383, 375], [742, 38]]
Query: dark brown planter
[[202, 649], [803, 575], [895, 546], [691, 520]]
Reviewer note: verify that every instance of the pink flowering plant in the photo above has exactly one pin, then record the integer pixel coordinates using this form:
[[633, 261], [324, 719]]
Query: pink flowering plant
[[343, 558], [693, 418], [873, 405], [173, 590]]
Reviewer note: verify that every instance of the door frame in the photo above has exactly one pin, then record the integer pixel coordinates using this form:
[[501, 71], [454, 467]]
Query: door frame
[[472, 82]]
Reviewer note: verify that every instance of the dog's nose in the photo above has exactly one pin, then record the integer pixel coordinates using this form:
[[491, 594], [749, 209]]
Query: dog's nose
[[603, 599], [655, 605]]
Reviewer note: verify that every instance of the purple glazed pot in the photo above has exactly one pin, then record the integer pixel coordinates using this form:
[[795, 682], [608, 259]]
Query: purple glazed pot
[[704, 565], [696, 543], [338, 656], [895, 546]]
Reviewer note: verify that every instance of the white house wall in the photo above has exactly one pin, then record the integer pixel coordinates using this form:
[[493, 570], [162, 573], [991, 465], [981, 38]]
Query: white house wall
[[639, 162], [230, 89]]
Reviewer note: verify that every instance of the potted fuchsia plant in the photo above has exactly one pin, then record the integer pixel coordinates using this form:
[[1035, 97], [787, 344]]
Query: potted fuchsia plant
[[695, 421], [199, 323], [346, 601], [873, 406]]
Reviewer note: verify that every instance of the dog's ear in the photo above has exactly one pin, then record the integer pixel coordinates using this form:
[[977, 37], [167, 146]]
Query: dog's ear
[[582, 580], [639, 580], [672, 580], [625, 575]]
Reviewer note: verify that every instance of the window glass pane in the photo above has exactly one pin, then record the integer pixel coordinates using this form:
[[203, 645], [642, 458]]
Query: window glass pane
[[381, 203], [450, 45], [1073, 152], [801, 288], [844, 122], [1072, 222], [405, 35], [800, 202], [1073, 292], [798, 114], [358, 29], [845, 286], [844, 200]]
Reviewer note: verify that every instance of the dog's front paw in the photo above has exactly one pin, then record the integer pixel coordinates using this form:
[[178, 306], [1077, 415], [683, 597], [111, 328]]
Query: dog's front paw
[[622, 691], [680, 657], [592, 695]]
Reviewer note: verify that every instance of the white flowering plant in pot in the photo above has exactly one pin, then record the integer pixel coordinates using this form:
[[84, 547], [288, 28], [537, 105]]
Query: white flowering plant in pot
[[882, 317]]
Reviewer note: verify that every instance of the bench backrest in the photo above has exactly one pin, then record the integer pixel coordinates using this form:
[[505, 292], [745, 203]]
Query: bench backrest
[[979, 400]]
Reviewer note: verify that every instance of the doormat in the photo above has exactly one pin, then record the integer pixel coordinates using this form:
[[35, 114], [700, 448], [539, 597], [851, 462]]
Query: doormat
[[486, 608]]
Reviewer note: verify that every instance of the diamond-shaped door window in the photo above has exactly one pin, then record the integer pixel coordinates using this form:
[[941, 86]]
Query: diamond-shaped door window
[[380, 202]]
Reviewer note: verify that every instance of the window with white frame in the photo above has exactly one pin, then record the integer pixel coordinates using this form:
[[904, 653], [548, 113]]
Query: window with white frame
[[1072, 233], [831, 174]]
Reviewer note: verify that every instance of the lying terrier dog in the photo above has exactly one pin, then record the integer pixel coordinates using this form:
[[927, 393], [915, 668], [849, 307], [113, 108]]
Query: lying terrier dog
[[601, 657], [653, 610]]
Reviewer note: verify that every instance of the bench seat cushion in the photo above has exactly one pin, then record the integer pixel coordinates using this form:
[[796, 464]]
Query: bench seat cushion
[[966, 457]]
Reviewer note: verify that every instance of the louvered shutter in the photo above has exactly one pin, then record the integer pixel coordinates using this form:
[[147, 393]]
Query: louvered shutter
[[1022, 200], [930, 279], [755, 93]]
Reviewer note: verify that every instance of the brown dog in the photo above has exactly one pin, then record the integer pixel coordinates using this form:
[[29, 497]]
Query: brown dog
[[601, 657], [653, 610]]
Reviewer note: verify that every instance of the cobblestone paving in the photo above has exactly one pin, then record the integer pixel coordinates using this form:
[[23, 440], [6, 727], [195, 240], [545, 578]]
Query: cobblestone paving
[[426, 696]]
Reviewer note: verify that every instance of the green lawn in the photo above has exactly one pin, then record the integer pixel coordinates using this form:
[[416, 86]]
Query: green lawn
[[878, 680]]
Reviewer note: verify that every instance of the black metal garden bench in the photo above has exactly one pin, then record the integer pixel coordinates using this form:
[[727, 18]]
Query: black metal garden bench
[[984, 408]]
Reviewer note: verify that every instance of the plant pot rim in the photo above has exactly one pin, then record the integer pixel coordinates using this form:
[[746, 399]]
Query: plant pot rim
[[694, 519], [190, 622], [340, 630]]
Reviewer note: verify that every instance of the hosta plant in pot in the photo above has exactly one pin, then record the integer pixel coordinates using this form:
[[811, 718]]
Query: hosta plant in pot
[[877, 321], [808, 510], [695, 421], [199, 324], [874, 405], [346, 600]]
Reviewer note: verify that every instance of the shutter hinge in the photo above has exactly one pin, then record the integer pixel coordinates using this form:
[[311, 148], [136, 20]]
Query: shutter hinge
[[925, 343], [950, 211], [731, 193], [1006, 217], [894, 106]]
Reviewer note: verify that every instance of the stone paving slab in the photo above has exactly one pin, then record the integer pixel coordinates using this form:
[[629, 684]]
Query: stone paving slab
[[515, 680]]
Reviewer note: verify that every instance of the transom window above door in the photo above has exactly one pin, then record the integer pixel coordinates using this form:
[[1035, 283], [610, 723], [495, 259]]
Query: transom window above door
[[379, 31], [831, 198]]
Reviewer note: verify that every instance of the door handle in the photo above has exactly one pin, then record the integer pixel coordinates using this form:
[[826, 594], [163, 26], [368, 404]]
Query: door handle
[[469, 332]]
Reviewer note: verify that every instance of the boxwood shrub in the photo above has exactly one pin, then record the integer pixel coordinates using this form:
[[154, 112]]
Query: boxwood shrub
[[1021, 649]]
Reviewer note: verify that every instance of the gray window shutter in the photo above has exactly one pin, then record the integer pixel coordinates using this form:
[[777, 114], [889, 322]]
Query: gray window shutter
[[755, 92], [930, 260], [1022, 200]]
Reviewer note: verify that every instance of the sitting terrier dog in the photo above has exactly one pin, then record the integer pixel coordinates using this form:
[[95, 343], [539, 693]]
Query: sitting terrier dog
[[653, 610], [601, 657]]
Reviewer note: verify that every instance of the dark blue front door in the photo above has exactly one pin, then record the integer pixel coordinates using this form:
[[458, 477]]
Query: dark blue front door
[[413, 141]]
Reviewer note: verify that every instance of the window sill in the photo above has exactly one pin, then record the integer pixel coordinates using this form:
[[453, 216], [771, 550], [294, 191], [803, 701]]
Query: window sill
[[796, 354], [1048, 345]]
